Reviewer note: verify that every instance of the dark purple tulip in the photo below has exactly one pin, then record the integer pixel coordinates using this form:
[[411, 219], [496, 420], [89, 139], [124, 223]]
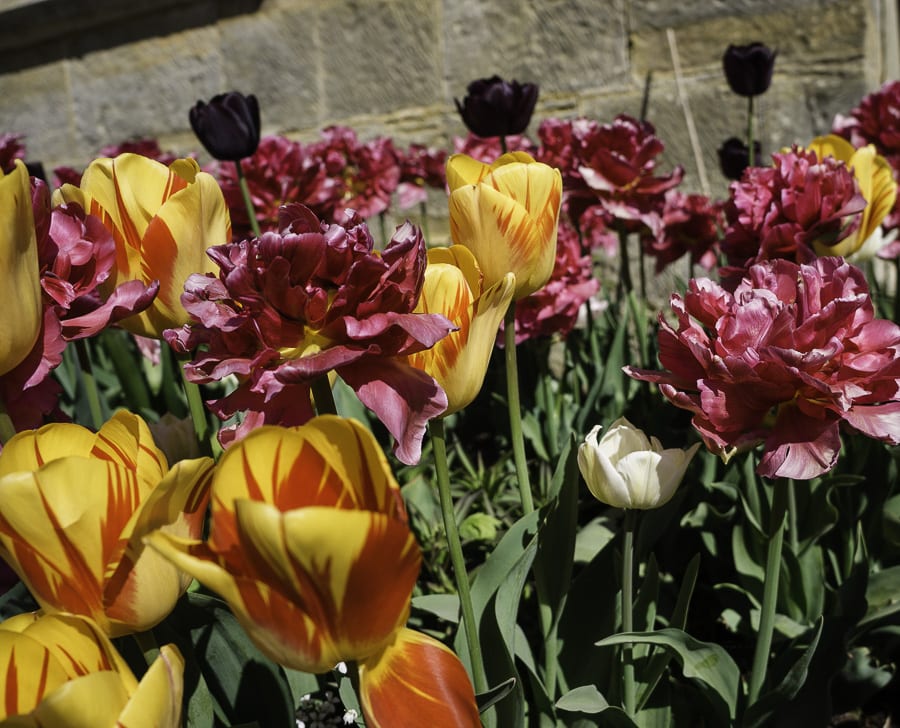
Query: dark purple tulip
[[228, 126], [733, 157], [748, 68], [494, 107]]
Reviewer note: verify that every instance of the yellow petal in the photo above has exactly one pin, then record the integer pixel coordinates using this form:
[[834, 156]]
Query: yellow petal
[[78, 703], [20, 294], [832, 145], [126, 439], [504, 237], [157, 701], [416, 680], [30, 449], [27, 673]]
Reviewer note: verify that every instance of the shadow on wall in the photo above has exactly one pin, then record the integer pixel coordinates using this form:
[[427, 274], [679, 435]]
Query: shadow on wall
[[35, 32]]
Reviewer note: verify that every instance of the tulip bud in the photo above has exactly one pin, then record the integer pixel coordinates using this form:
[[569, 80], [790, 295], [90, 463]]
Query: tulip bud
[[494, 107], [626, 470], [228, 126], [748, 68], [733, 158]]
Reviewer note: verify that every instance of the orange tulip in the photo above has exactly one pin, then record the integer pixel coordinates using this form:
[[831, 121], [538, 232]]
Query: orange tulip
[[61, 671], [163, 219], [310, 546], [507, 214], [20, 289], [454, 287], [75, 508]]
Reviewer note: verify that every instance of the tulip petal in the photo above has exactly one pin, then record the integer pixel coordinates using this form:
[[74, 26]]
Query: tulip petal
[[126, 439], [157, 701], [76, 704], [30, 449], [416, 680], [20, 294]]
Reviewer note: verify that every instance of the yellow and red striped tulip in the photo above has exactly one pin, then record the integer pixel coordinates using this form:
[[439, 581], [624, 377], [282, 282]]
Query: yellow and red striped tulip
[[507, 214], [876, 184], [61, 671], [454, 287], [310, 546], [20, 290], [163, 219], [75, 508]]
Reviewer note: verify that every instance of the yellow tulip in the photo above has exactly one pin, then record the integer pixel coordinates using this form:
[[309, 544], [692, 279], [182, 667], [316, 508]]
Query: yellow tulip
[[454, 287], [163, 220], [507, 214], [61, 671], [310, 546], [876, 184], [75, 508], [20, 291]]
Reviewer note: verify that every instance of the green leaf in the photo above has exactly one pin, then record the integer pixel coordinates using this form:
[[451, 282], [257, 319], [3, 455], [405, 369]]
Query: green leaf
[[761, 712], [479, 527], [443, 606], [587, 699], [493, 695], [243, 684], [882, 595], [706, 662]]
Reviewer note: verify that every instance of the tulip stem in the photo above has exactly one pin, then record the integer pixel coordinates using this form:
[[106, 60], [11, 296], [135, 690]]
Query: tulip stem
[[751, 157], [7, 428], [770, 592], [628, 691], [625, 285], [423, 214], [89, 382], [146, 642], [503, 147], [793, 535], [197, 410], [248, 202], [439, 445], [515, 408], [323, 396]]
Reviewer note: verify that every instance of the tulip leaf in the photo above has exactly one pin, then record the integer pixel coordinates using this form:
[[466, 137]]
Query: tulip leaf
[[444, 606], [761, 712], [706, 662], [244, 685], [492, 695], [881, 595], [588, 700], [16, 600]]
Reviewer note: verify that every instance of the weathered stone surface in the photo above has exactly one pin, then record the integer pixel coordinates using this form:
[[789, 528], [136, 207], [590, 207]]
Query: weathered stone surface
[[277, 57], [393, 67], [143, 89], [379, 56], [36, 103]]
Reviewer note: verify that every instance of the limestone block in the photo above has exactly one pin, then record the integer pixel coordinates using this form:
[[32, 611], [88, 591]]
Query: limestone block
[[663, 14], [36, 103], [275, 55], [378, 55], [145, 88], [803, 35]]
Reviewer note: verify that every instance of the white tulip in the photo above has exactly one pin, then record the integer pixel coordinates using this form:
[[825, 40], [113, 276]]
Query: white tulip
[[626, 470]]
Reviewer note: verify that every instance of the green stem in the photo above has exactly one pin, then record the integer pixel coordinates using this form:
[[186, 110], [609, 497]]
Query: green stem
[[515, 409], [89, 382], [627, 619], [503, 147], [248, 203], [323, 396], [423, 214], [793, 534], [148, 646], [625, 285], [197, 410], [751, 157], [7, 428], [439, 444], [770, 593]]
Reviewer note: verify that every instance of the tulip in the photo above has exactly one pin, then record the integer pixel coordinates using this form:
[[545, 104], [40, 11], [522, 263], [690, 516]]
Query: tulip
[[76, 506], [20, 292], [163, 219], [507, 214], [733, 157], [493, 107], [748, 68], [626, 470], [228, 126], [62, 671], [310, 546], [454, 288], [876, 184]]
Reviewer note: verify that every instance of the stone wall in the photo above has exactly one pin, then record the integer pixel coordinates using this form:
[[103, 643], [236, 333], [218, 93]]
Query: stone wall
[[74, 80]]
